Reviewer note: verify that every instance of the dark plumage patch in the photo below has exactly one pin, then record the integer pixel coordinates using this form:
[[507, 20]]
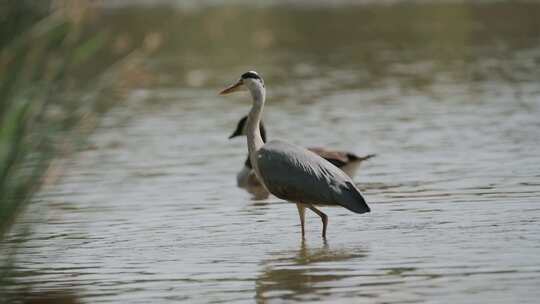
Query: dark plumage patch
[[239, 128], [247, 163], [242, 125], [336, 162]]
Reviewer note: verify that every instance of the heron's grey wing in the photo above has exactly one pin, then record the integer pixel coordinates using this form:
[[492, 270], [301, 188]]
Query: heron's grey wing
[[296, 174]]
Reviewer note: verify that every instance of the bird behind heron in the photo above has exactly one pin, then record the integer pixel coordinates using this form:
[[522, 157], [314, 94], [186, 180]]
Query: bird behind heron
[[246, 178]]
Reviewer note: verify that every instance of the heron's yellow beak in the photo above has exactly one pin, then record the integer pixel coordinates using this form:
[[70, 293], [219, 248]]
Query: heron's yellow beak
[[233, 88]]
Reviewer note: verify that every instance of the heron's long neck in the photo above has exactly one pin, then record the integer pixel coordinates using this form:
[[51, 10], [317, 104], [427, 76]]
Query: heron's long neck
[[254, 138]]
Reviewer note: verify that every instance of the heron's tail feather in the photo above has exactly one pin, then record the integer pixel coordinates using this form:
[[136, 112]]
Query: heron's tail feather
[[357, 203]]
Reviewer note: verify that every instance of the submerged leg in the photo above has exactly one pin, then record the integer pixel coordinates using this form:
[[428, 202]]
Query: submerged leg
[[324, 219], [301, 212]]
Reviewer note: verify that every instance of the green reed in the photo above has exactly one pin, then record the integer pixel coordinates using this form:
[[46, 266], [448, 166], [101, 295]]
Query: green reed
[[59, 70]]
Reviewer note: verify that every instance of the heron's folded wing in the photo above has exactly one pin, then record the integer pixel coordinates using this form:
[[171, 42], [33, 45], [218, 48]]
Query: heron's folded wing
[[296, 174]]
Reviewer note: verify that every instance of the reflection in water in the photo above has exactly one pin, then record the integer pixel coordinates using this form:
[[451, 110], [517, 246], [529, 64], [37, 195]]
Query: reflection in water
[[47, 297], [305, 273]]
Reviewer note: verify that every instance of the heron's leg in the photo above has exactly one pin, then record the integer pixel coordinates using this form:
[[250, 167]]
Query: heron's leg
[[302, 213], [324, 219]]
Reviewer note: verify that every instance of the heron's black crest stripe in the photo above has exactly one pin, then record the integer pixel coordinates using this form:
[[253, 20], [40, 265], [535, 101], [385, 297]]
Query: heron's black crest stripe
[[250, 74]]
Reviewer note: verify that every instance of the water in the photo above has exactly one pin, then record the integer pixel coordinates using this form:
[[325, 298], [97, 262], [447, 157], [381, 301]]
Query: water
[[149, 212]]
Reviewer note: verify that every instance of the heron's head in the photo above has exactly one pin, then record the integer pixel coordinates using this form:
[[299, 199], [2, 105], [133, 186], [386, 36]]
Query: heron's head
[[241, 129], [249, 80]]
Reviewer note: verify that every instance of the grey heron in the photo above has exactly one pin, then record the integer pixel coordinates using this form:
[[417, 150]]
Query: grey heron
[[290, 172], [246, 178]]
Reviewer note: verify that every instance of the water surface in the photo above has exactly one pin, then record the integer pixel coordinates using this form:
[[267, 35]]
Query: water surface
[[446, 95]]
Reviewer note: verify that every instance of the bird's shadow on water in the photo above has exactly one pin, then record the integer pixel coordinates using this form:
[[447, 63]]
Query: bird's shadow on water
[[301, 274]]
